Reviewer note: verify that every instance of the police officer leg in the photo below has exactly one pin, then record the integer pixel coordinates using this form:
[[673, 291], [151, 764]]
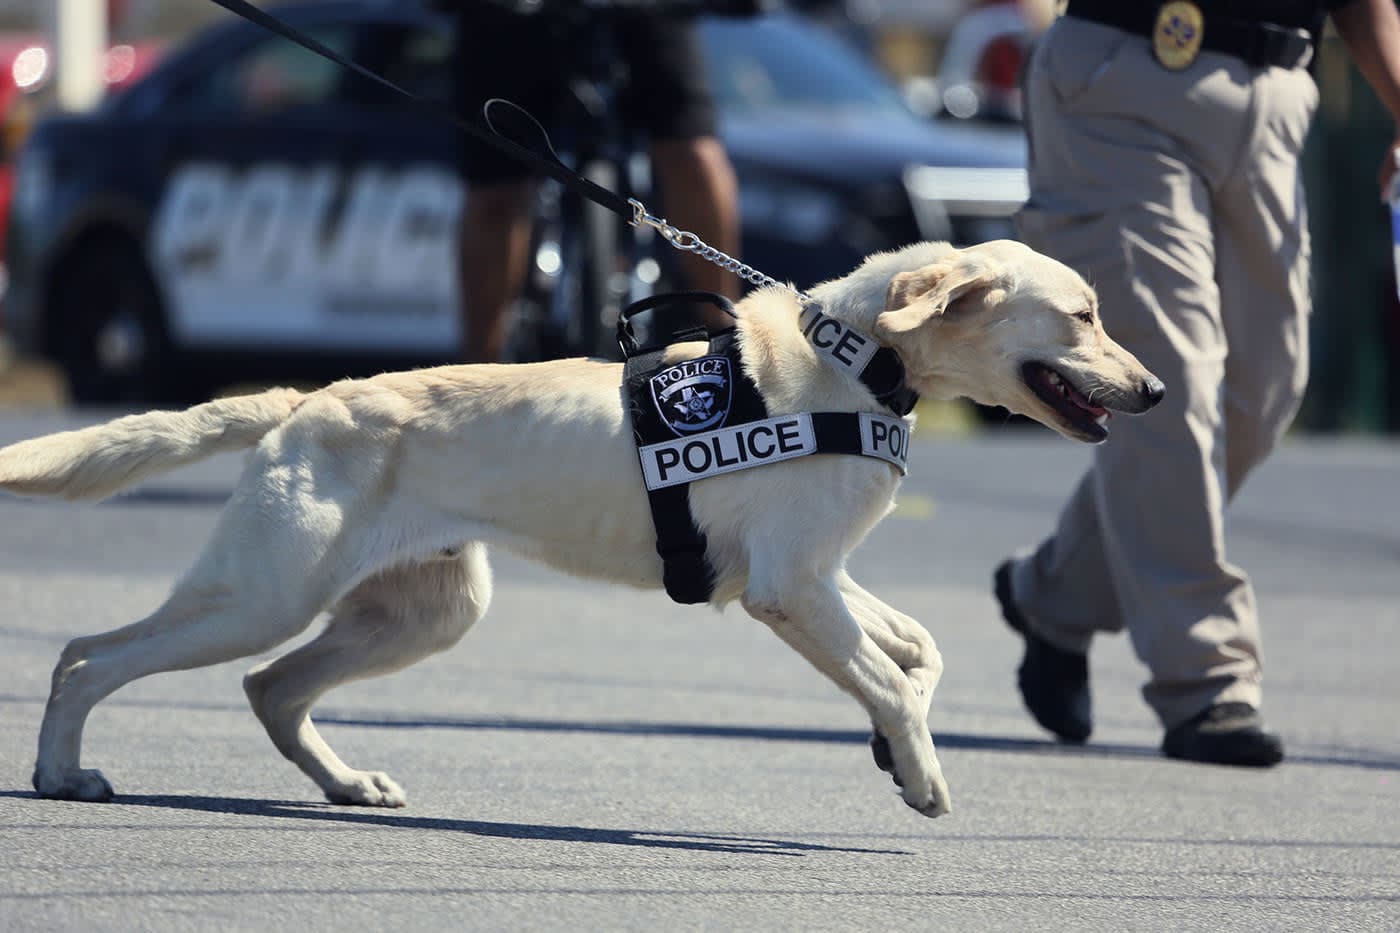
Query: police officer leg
[[1122, 190], [1265, 296], [495, 246], [701, 193]]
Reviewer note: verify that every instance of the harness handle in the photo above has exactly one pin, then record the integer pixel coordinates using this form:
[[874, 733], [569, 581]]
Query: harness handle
[[665, 319]]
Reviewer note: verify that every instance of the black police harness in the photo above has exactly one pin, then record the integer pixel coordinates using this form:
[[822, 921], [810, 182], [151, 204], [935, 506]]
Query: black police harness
[[701, 417], [704, 417]]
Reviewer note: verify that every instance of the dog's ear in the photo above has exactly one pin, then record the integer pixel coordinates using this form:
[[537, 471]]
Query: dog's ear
[[913, 298], [906, 287]]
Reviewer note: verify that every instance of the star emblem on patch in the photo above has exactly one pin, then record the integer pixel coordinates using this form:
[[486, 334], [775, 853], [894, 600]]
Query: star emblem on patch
[[694, 395], [695, 404]]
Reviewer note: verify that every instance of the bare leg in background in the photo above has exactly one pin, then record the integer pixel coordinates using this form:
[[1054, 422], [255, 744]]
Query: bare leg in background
[[495, 242]]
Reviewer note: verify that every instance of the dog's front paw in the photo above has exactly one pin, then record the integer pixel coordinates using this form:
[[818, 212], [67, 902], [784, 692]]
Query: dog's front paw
[[933, 801], [73, 784], [884, 758], [928, 793], [368, 789]]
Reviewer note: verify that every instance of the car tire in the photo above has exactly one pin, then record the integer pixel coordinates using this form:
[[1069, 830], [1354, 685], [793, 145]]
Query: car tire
[[108, 331]]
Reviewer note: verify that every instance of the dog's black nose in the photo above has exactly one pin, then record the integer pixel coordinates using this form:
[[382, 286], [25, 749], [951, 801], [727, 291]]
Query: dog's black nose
[[1153, 390]]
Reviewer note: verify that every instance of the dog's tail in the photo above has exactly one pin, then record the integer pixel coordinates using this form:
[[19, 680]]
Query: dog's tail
[[95, 462]]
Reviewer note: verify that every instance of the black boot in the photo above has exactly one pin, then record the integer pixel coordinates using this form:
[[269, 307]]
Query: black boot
[[1054, 683], [1224, 734]]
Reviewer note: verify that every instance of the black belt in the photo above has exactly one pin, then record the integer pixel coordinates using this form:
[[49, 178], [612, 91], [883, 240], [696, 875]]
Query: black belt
[[1255, 43]]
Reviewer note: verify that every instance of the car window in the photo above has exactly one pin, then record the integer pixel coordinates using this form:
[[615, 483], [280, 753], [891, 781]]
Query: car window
[[417, 59], [269, 76], [773, 64]]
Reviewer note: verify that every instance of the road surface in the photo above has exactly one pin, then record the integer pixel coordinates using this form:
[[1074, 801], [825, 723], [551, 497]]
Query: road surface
[[595, 758]]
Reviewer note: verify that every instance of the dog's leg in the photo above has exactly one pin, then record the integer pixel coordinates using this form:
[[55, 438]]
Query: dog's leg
[[901, 637], [387, 623], [197, 626], [906, 642], [271, 564], [808, 612]]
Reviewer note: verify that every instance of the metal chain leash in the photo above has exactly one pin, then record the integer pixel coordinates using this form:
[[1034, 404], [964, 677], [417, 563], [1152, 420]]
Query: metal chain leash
[[688, 242]]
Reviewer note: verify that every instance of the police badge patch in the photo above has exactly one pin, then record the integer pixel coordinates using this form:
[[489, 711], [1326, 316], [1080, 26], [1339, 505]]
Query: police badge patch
[[694, 395], [1177, 36]]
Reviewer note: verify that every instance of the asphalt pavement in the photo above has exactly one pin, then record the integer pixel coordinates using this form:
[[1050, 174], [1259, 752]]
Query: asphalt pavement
[[601, 759]]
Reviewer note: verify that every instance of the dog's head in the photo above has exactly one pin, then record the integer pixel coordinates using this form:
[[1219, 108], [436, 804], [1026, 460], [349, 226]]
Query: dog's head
[[1004, 325]]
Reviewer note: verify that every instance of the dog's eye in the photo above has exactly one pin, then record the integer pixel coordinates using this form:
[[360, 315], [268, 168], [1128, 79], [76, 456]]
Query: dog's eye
[[1086, 316]]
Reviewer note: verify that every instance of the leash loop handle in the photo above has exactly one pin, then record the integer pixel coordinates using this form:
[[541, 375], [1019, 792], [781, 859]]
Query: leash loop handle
[[534, 138]]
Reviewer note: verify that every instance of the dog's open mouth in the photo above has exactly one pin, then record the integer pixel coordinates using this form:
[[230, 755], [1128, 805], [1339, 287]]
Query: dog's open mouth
[[1083, 418]]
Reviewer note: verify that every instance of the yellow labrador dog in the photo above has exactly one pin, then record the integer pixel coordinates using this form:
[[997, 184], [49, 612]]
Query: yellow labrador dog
[[374, 500]]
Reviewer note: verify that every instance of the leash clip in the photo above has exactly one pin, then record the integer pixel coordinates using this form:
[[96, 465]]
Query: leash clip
[[681, 239], [689, 242]]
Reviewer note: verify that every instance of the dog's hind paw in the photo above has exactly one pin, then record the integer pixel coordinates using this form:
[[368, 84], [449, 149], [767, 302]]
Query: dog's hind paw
[[74, 784], [368, 789]]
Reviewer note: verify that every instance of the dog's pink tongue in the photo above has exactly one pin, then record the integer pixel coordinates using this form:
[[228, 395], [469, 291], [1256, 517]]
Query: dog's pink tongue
[[1087, 405]]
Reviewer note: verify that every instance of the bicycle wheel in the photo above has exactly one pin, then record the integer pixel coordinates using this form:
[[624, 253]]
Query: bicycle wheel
[[584, 298]]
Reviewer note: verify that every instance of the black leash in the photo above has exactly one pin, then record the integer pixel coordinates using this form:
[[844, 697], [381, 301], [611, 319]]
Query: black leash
[[535, 150], [882, 371], [539, 154]]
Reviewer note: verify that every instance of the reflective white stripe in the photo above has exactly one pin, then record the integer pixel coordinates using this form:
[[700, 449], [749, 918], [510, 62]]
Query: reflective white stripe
[[886, 438], [844, 346], [728, 449]]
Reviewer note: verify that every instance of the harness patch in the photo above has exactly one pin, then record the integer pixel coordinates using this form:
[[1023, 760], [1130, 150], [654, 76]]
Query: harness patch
[[844, 346], [886, 438], [718, 421], [694, 395], [739, 447], [772, 440]]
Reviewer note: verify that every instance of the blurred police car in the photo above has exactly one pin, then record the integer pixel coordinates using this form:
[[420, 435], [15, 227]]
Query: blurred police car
[[250, 211]]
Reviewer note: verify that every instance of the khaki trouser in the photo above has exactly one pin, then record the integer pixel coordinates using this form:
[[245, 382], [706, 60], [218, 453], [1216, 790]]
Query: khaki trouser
[[1177, 195]]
